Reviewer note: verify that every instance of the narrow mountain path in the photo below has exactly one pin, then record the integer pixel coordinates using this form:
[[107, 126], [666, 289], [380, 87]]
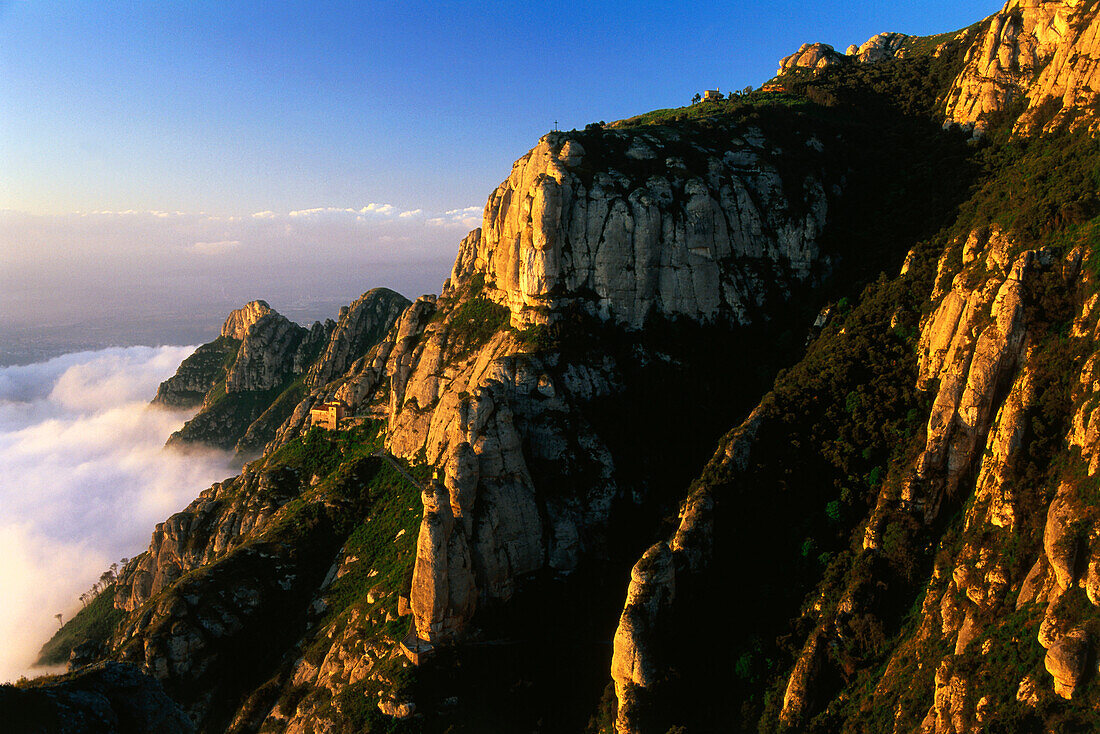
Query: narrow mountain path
[[383, 454]]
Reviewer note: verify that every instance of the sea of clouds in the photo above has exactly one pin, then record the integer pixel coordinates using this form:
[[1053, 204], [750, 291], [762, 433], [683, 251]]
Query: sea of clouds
[[84, 478]]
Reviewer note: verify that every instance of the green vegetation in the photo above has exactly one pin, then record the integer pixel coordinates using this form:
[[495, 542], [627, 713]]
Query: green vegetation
[[840, 426], [385, 545], [333, 492], [208, 366], [537, 338], [95, 623], [227, 416], [475, 321], [321, 452], [263, 429], [713, 109], [1041, 189]]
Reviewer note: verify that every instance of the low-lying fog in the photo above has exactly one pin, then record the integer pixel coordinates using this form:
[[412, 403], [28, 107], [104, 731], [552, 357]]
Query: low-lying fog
[[83, 480]]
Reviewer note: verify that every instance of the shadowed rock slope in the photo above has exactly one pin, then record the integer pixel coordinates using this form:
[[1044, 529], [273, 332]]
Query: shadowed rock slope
[[936, 442]]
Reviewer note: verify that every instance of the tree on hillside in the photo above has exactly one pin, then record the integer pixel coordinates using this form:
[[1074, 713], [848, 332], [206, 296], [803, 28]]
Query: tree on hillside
[[696, 98]]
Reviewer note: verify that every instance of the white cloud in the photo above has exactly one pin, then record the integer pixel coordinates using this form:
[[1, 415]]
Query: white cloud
[[155, 213], [383, 209], [315, 211], [412, 213], [468, 217], [83, 480]]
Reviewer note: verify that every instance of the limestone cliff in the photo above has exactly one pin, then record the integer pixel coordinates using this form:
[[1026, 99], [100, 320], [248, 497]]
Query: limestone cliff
[[631, 224], [240, 320], [811, 56], [815, 57], [197, 375], [361, 325], [1044, 54], [980, 351]]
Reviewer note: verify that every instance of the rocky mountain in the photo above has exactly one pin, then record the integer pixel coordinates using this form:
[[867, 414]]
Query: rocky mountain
[[1041, 55], [885, 324], [247, 380]]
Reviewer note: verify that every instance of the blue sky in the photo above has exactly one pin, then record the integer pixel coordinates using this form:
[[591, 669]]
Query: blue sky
[[178, 122], [233, 107]]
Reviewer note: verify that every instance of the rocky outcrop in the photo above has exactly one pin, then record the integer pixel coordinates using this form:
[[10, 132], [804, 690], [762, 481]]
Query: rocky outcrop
[[252, 378], [972, 353], [1045, 52], [810, 56], [265, 359], [606, 265], [110, 698], [978, 359], [219, 520], [639, 657], [444, 594], [197, 375], [203, 635], [650, 235], [635, 663], [979, 356], [1066, 660], [361, 325], [880, 47], [240, 320], [618, 247], [970, 347], [485, 525], [816, 56]]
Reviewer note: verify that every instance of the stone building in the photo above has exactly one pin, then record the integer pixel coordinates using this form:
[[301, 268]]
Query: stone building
[[327, 415]]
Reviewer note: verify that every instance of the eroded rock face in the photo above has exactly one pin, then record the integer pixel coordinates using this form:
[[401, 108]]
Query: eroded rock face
[[266, 356], [977, 358], [810, 56], [970, 346], [1066, 660], [360, 327], [238, 323], [197, 375], [189, 637], [623, 247], [636, 658], [656, 240], [635, 663], [110, 698], [879, 47], [703, 231], [248, 381], [219, 520], [976, 352], [1047, 51], [444, 594]]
